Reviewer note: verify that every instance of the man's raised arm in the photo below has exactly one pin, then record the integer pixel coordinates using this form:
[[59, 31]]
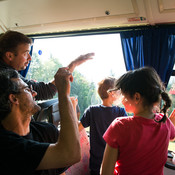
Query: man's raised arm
[[67, 149]]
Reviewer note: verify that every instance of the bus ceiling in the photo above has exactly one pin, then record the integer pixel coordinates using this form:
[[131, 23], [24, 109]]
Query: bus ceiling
[[56, 16]]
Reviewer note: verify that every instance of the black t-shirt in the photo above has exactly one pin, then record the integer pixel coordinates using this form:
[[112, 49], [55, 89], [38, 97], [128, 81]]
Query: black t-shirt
[[99, 117], [22, 155]]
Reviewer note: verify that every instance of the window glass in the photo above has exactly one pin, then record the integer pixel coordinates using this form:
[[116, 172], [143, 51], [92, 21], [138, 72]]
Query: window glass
[[51, 53], [171, 92]]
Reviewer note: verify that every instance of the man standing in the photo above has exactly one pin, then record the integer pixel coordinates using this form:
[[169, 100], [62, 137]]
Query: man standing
[[14, 54]]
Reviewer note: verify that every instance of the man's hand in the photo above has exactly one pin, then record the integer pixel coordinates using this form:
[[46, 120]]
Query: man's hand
[[81, 59], [63, 77]]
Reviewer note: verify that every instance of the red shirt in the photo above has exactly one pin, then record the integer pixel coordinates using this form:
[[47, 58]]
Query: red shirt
[[142, 143]]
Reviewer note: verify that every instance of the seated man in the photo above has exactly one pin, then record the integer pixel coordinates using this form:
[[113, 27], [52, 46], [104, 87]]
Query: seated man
[[21, 156]]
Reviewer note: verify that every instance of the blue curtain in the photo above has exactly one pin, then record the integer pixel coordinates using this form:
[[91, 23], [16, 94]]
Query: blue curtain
[[154, 46], [24, 72]]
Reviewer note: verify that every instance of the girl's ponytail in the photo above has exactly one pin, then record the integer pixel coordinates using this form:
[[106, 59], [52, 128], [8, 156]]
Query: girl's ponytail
[[166, 105]]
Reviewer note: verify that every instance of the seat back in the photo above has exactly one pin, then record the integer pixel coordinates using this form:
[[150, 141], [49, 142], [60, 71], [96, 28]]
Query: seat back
[[49, 113]]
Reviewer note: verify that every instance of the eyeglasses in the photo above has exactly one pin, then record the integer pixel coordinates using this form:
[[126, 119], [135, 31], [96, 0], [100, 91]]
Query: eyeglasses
[[117, 92]]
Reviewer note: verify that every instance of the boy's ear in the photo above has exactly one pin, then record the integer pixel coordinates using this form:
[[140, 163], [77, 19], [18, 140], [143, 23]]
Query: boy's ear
[[110, 93], [13, 99]]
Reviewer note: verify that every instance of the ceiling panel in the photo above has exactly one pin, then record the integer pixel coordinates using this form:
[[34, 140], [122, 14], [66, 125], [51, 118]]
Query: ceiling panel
[[43, 16]]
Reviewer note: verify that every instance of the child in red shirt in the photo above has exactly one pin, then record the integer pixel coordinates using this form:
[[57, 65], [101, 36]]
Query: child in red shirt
[[139, 144]]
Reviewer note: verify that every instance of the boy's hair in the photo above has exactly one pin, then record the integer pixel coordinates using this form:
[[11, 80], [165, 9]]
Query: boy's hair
[[104, 86], [7, 86], [10, 40]]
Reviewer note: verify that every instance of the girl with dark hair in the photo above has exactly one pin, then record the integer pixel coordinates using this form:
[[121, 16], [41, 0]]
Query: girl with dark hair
[[139, 144]]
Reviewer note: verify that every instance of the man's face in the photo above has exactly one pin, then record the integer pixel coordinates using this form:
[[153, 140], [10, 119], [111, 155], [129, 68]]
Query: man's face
[[26, 98], [21, 58]]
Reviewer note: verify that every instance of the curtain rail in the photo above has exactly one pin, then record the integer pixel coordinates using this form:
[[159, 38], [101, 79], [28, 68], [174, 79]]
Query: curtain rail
[[97, 31]]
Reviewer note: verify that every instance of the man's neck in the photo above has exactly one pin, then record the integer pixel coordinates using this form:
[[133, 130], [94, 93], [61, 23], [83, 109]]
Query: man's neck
[[16, 125], [4, 64]]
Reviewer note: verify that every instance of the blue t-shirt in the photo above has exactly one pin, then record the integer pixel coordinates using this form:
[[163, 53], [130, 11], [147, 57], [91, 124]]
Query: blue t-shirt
[[99, 118]]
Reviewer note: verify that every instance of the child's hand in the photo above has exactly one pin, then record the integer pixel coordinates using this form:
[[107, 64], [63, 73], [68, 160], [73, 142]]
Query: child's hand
[[172, 117], [74, 101]]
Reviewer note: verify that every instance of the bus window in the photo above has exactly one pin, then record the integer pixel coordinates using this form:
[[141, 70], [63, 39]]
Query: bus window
[[51, 53], [171, 92]]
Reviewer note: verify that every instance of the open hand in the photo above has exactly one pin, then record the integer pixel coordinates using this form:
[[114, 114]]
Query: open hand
[[81, 59]]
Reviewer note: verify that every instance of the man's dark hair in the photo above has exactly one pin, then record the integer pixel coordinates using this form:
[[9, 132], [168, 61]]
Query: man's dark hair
[[10, 40], [7, 86]]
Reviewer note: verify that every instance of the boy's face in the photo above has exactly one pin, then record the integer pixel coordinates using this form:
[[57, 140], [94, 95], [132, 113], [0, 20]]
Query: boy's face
[[116, 97]]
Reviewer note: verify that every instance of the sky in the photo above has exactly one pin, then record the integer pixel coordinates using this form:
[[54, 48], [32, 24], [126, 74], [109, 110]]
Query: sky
[[108, 59]]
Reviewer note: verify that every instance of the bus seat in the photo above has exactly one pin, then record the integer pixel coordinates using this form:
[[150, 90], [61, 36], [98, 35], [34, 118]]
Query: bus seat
[[169, 168], [49, 112]]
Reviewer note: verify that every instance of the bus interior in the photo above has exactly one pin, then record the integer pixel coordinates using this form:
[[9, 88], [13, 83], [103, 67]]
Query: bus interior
[[137, 25]]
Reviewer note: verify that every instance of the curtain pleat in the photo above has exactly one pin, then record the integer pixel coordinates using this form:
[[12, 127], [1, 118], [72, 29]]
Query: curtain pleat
[[153, 47]]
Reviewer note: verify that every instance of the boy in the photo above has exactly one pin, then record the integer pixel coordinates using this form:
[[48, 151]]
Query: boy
[[99, 117]]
